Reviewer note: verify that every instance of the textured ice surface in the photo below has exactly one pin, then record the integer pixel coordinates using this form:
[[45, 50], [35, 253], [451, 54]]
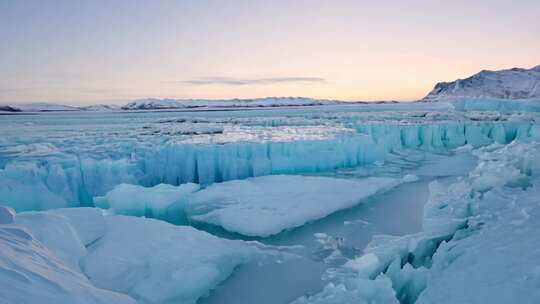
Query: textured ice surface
[[44, 257], [88, 223], [156, 262], [479, 242], [56, 233], [50, 161], [267, 205], [30, 272], [7, 215], [70, 158]]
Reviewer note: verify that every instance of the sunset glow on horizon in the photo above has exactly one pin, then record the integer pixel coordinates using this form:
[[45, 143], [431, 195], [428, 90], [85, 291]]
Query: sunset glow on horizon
[[83, 52]]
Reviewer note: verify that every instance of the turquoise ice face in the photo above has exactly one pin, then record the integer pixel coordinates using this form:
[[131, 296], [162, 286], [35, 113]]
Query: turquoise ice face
[[69, 158]]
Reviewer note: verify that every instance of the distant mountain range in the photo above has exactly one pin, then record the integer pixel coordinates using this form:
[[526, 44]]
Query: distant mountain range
[[53, 107], [153, 103], [9, 109], [171, 104], [515, 83]]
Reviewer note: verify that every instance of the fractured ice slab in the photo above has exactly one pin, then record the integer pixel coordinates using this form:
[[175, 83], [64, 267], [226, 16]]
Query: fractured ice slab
[[478, 244], [266, 205], [30, 272], [162, 201], [69, 161], [156, 262], [496, 260], [43, 256]]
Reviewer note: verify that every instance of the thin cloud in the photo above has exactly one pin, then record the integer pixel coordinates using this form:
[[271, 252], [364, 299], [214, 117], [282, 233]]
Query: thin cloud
[[249, 81]]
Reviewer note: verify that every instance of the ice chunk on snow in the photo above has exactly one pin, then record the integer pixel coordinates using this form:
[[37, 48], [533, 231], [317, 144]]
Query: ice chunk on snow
[[409, 178], [365, 266], [267, 205], [31, 273], [162, 201], [156, 262]]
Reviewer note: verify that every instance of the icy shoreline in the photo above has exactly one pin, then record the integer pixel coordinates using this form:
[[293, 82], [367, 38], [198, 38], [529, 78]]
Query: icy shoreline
[[453, 259]]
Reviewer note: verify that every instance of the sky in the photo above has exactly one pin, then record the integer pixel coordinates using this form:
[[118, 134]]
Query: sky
[[83, 52]]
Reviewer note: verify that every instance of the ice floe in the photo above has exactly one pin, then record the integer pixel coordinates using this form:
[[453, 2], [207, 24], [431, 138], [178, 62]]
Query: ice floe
[[267, 205]]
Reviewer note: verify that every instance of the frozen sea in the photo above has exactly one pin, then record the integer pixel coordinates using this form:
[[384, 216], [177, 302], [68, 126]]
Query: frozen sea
[[325, 204]]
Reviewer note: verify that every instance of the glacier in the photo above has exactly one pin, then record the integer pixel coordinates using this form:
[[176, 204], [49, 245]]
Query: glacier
[[428, 202], [30, 158]]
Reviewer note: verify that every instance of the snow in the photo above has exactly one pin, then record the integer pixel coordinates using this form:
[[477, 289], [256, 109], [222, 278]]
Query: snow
[[88, 223], [56, 233], [43, 256], [361, 291], [40, 169], [8, 109], [53, 107], [466, 252], [156, 262], [31, 272], [162, 201], [6, 215], [258, 173], [496, 265], [267, 205], [508, 84]]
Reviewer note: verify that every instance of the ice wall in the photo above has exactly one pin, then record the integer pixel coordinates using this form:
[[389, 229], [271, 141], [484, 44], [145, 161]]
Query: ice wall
[[445, 135], [74, 181], [493, 104]]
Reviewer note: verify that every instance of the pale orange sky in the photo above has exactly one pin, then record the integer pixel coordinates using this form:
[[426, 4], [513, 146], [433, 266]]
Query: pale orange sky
[[115, 51]]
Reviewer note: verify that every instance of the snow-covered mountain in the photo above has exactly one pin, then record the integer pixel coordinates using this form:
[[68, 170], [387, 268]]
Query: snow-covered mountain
[[516, 83], [45, 107], [101, 108], [5, 108], [52, 107], [153, 103]]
